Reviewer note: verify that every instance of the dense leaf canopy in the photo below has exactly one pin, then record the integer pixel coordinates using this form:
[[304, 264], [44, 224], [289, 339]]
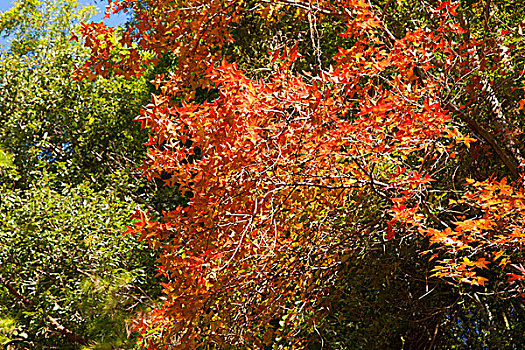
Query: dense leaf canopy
[[68, 277], [318, 174], [374, 126]]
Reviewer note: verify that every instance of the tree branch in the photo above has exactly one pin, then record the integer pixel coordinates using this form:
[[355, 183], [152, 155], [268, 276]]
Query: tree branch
[[473, 124], [70, 335], [15, 293]]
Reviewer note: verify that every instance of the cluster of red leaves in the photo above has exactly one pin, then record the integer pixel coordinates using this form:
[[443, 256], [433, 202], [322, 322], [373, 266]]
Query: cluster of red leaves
[[276, 161], [194, 31], [268, 167], [497, 232]]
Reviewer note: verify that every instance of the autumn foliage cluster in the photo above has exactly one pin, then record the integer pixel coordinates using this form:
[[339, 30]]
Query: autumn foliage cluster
[[289, 174]]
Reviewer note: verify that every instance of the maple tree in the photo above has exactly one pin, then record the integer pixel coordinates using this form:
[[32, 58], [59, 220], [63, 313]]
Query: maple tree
[[286, 174]]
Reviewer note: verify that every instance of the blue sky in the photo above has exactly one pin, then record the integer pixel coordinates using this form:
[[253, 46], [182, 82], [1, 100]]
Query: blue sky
[[100, 4]]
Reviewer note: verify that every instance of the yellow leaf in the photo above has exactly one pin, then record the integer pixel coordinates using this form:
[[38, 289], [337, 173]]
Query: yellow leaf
[[481, 281]]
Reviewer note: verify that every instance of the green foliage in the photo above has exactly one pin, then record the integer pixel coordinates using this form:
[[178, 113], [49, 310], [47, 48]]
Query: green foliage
[[7, 328], [69, 278], [6, 160], [79, 131], [33, 26], [65, 254], [68, 152], [386, 300], [71, 128], [256, 39]]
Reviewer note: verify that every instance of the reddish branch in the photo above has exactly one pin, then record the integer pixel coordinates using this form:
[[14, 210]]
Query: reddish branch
[[473, 125], [15, 293], [70, 335]]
